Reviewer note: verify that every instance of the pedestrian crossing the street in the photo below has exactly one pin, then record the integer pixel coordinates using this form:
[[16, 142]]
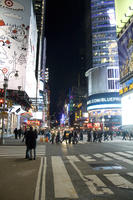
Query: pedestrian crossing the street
[[19, 151], [67, 175]]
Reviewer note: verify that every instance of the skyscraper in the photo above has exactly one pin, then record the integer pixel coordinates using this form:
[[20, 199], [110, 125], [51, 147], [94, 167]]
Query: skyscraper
[[103, 77]]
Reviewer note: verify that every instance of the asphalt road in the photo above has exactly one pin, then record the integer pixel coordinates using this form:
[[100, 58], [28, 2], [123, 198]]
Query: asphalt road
[[86, 171]]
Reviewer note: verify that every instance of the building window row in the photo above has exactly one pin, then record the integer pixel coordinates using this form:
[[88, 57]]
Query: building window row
[[107, 35], [103, 18], [103, 29], [110, 43], [102, 7], [107, 23], [97, 2], [105, 53]]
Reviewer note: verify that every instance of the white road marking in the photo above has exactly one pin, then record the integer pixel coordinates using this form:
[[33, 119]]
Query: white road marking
[[37, 190], [44, 181], [131, 152], [87, 158], [92, 181], [119, 181], [96, 186], [115, 156], [103, 157], [125, 154], [62, 183], [130, 173], [73, 158]]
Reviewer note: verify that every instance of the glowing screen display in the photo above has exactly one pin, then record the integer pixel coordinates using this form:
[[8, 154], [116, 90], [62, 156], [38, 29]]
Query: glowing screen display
[[127, 109]]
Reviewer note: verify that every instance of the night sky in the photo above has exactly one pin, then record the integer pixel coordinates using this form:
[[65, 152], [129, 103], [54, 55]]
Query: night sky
[[65, 35]]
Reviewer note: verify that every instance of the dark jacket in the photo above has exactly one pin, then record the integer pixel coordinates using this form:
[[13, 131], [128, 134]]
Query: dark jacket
[[31, 137]]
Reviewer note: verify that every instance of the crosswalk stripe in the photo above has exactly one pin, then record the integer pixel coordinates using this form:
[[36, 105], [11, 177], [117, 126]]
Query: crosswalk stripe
[[96, 186], [119, 181], [87, 158], [125, 154], [130, 173], [73, 158], [115, 156], [131, 152], [103, 157], [62, 182], [92, 181]]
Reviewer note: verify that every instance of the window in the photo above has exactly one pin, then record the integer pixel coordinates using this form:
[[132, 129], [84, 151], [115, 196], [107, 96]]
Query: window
[[111, 84], [110, 73], [117, 85], [116, 73]]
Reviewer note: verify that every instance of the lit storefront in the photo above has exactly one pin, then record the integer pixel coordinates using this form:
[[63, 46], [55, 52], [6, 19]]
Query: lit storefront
[[104, 110]]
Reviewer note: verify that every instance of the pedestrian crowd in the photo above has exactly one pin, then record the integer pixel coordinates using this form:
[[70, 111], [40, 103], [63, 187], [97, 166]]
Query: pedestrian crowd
[[29, 136], [67, 136]]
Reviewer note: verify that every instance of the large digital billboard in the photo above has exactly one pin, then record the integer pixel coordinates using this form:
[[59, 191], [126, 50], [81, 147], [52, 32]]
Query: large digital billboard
[[127, 109], [18, 44], [125, 50], [124, 9]]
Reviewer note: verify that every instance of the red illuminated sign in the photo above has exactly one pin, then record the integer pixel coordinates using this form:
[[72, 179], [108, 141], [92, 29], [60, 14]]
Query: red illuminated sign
[[33, 123], [89, 125]]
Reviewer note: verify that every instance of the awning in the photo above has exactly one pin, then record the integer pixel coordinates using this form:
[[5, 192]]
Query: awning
[[27, 115]]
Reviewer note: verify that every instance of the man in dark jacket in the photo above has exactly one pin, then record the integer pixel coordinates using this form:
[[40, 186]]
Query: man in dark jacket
[[25, 138], [31, 142]]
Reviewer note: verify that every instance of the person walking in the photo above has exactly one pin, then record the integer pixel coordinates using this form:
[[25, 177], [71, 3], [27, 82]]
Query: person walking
[[19, 133], [58, 137], [25, 138], [52, 137], [16, 133], [88, 135], [31, 142], [70, 137]]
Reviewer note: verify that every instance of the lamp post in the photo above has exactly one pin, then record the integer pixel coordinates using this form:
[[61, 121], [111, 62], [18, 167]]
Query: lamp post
[[5, 85]]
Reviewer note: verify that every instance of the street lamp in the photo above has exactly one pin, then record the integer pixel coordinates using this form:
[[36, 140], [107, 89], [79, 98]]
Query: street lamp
[[5, 85]]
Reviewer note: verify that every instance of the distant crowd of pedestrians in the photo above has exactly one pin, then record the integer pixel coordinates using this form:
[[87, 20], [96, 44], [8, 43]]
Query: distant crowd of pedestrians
[[29, 136]]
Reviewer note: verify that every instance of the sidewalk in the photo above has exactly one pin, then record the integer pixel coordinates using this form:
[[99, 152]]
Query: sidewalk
[[18, 178]]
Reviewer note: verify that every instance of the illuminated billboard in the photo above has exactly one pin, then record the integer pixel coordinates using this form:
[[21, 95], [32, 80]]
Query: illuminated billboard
[[125, 49], [127, 109], [18, 44], [124, 9]]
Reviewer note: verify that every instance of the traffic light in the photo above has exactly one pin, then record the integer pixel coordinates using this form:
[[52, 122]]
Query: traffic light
[[1, 102]]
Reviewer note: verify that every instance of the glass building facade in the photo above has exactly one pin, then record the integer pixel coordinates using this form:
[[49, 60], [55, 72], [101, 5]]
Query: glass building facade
[[104, 41], [103, 77]]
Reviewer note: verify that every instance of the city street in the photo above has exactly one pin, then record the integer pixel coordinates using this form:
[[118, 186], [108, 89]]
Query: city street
[[86, 171]]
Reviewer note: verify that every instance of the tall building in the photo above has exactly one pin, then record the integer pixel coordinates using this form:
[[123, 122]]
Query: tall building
[[103, 76], [22, 53]]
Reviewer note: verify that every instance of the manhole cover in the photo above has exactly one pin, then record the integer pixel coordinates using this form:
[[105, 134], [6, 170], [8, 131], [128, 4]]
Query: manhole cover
[[101, 166]]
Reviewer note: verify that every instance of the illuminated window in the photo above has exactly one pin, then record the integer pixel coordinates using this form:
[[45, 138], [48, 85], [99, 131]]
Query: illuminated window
[[104, 60]]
